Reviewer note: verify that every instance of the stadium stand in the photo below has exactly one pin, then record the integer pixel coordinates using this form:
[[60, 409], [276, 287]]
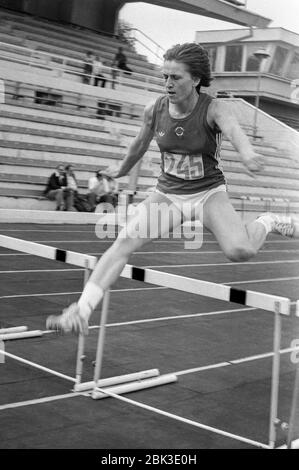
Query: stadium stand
[[50, 117], [63, 49]]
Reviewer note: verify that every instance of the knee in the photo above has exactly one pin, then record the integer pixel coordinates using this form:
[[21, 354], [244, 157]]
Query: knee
[[240, 253]]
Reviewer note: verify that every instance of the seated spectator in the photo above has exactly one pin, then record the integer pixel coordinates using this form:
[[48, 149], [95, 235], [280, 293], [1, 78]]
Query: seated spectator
[[99, 190], [56, 189], [97, 68], [87, 69]]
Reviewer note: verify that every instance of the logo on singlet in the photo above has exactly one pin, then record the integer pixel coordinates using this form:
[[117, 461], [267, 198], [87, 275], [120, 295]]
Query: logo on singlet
[[161, 133], [179, 131]]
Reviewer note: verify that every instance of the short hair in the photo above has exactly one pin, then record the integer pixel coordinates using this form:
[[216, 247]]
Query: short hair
[[195, 57]]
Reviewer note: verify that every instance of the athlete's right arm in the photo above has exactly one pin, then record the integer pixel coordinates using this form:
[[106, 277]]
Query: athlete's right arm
[[137, 147]]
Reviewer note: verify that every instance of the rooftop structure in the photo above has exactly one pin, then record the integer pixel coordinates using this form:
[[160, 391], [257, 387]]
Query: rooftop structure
[[236, 68]]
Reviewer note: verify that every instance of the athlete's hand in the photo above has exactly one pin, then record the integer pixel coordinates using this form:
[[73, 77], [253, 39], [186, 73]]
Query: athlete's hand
[[253, 164]]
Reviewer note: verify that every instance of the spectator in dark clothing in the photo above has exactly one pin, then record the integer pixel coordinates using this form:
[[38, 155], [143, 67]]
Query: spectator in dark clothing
[[120, 60], [88, 67], [56, 189], [71, 186]]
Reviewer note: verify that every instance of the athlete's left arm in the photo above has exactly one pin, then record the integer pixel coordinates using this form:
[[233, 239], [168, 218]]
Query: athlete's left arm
[[221, 113]]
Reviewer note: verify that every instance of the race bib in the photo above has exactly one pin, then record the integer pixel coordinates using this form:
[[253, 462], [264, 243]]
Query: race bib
[[186, 167]]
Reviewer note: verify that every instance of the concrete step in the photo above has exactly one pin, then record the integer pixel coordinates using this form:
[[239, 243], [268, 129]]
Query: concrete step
[[60, 149], [24, 204], [39, 134], [268, 171], [239, 191], [265, 182], [19, 165], [71, 115], [38, 181]]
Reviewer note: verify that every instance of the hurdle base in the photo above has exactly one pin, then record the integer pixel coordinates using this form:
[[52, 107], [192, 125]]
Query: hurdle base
[[21, 335], [98, 394], [13, 329], [145, 374], [295, 445]]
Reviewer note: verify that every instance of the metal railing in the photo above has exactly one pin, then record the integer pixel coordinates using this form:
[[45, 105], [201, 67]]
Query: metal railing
[[142, 42], [62, 67], [271, 131]]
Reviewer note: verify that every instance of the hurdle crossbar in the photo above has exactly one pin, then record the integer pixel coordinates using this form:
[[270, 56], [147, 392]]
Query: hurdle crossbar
[[49, 252], [13, 329], [173, 281], [209, 289]]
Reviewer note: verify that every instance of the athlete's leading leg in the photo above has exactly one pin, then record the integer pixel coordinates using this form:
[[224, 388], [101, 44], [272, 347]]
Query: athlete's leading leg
[[155, 217]]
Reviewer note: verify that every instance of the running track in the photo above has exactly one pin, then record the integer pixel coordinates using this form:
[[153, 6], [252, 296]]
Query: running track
[[220, 351]]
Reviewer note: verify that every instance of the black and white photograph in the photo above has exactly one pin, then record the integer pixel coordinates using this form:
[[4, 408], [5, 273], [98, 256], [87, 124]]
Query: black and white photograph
[[149, 231]]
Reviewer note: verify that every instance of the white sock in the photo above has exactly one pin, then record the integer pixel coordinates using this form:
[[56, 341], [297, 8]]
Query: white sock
[[90, 298], [266, 221]]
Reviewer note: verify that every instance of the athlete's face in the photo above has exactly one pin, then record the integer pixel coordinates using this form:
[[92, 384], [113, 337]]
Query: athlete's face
[[179, 83]]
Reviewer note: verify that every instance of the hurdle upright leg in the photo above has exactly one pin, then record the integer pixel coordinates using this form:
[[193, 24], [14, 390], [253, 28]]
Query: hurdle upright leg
[[275, 376], [101, 338], [81, 339], [295, 403]]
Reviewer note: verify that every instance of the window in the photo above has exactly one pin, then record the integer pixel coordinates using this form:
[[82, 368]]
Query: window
[[293, 70], [278, 60], [110, 109], [49, 99], [212, 56], [233, 59]]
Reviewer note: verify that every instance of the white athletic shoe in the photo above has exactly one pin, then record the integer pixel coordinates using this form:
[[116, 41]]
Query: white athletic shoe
[[69, 321], [282, 224]]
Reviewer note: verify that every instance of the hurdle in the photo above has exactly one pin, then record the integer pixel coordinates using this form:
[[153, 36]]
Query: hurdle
[[136, 380], [115, 386], [276, 304]]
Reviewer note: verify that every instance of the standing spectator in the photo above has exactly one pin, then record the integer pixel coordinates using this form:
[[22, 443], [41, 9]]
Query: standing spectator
[[56, 189], [120, 60], [97, 68], [71, 187], [87, 70]]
